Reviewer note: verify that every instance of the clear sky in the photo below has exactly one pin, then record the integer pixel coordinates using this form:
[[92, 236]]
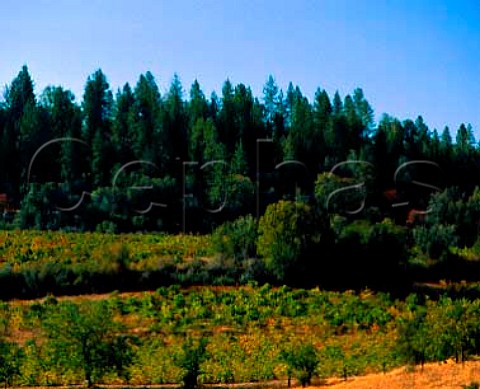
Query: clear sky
[[410, 57]]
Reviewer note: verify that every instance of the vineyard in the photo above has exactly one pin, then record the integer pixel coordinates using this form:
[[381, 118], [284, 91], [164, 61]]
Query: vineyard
[[35, 263], [180, 333], [22, 249], [245, 334], [247, 331]]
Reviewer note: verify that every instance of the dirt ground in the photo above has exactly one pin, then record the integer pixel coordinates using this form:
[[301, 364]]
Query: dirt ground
[[434, 375]]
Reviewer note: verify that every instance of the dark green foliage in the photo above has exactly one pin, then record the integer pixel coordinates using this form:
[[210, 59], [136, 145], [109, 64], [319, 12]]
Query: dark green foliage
[[413, 342], [236, 239], [121, 355], [344, 196], [140, 124], [10, 362], [435, 240], [369, 254], [438, 331], [240, 191], [38, 208], [288, 235], [281, 236], [123, 130], [85, 337], [147, 137], [65, 121], [302, 362], [97, 109], [175, 123], [192, 355], [452, 220]]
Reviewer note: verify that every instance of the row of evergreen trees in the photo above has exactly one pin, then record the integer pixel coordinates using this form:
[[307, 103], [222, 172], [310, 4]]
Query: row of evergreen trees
[[140, 160]]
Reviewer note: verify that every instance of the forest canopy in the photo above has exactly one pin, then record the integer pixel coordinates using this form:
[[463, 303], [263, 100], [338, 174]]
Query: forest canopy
[[206, 160]]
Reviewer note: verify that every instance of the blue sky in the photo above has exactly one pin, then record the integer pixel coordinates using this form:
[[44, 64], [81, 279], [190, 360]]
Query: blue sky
[[410, 57]]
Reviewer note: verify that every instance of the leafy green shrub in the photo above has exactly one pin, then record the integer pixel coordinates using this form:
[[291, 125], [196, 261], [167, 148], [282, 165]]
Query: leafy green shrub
[[85, 338], [435, 240], [190, 359], [369, 255], [439, 330], [289, 237], [236, 239], [10, 361], [413, 343], [338, 195], [301, 362], [106, 226], [385, 251]]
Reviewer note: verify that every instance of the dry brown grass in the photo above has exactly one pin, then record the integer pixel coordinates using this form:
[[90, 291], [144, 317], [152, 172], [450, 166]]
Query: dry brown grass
[[434, 375]]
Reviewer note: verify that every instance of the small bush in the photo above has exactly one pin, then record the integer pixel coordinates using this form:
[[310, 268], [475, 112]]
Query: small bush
[[236, 239], [290, 238], [301, 362], [435, 240], [190, 359], [10, 356]]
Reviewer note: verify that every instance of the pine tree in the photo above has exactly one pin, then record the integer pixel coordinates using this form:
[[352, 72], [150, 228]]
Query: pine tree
[[205, 149], [19, 98], [148, 137], [322, 111], [337, 108], [423, 136], [214, 166], [364, 112], [33, 134], [226, 117], [65, 123], [248, 122], [337, 134], [241, 189], [434, 152], [97, 109], [446, 146], [465, 139], [270, 98], [175, 121], [123, 128], [238, 164], [19, 94], [289, 102], [97, 105], [354, 125], [198, 105], [213, 107]]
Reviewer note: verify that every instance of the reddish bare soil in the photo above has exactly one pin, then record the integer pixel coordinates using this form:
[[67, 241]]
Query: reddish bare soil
[[434, 375]]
